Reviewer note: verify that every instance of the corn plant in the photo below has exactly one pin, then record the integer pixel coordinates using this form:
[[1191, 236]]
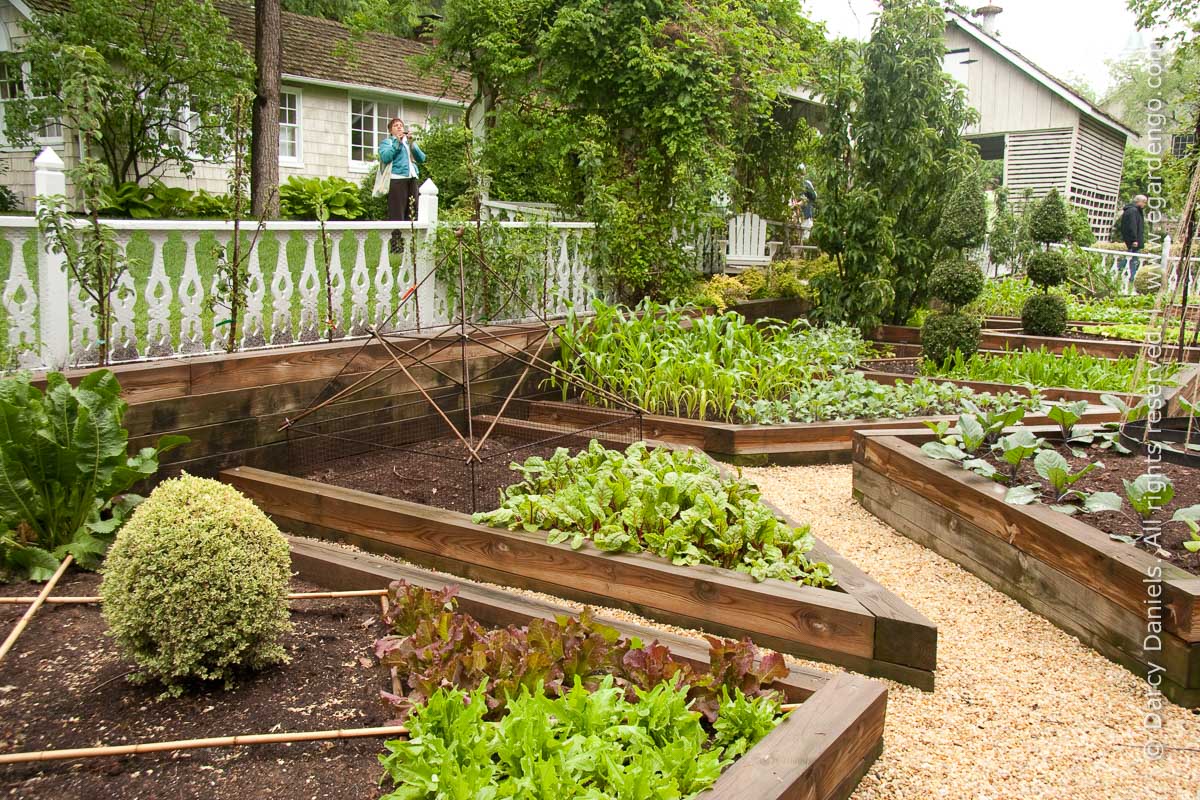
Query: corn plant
[[1042, 368], [667, 361]]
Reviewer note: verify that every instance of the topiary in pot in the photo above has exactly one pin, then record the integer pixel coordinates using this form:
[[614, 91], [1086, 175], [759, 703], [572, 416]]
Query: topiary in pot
[[1047, 268], [195, 586], [1044, 315], [946, 332]]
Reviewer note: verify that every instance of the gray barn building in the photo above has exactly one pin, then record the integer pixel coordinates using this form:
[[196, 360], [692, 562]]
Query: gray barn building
[[1046, 134]]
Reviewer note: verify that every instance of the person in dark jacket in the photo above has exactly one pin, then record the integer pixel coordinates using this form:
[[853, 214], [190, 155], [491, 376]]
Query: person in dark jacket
[[1133, 233]]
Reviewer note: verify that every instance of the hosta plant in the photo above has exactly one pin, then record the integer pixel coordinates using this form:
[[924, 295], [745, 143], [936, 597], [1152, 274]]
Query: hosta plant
[[673, 503], [65, 474]]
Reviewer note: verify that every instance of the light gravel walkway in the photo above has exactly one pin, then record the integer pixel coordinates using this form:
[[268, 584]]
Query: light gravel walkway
[[1022, 710]]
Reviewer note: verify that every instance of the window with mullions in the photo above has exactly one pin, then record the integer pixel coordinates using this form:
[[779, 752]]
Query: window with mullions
[[368, 127], [1182, 144], [13, 86], [289, 126]]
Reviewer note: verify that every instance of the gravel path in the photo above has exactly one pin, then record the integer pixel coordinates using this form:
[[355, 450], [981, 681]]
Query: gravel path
[[1022, 710]]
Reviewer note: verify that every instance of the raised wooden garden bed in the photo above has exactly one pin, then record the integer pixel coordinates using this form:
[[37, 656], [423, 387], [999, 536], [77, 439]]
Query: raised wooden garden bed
[[1057, 566], [795, 443], [861, 626], [995, 338], [1188, 382], [820, 751]]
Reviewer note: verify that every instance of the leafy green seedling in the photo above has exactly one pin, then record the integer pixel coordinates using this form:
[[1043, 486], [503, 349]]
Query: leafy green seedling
[[1191, 516], [1066, 416], [1016, 447], [1051, 466], [1128, 413], [1149, 493]]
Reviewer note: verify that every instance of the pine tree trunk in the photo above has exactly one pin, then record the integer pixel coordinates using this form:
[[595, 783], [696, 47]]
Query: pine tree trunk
[[264, 145]]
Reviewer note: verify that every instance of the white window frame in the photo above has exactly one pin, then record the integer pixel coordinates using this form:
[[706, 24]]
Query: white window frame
[[363, 167], [26, 82], [298, 159]]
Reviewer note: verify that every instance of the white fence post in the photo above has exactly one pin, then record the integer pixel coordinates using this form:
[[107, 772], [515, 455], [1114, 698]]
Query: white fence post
[[1166, 260], [425, 257], [427, 202], [53, 306]]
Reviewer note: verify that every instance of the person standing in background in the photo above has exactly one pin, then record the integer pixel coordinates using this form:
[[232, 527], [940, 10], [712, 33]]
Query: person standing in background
[[1133, 233], [399, 152], [810, 206]]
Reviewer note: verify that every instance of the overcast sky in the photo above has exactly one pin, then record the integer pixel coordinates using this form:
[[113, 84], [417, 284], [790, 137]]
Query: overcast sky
[[1071, 39]]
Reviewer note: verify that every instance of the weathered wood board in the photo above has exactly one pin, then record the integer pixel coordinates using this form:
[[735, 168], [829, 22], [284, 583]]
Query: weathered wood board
[[820, 751], [878, 634], [1056, 565]]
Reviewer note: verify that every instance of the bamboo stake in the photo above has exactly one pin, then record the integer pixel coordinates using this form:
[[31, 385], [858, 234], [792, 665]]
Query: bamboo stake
[[37, 603], [196, 744], [89, 599]]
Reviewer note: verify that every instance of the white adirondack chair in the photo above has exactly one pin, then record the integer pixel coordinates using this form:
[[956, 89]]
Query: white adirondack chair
[[747, 245]]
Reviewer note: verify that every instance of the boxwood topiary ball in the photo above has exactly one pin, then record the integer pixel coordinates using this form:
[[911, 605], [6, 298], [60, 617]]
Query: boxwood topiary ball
[[1148, 279], [1044, 315], [956, 281], [1047, 268], [195, 585], [945, 333]]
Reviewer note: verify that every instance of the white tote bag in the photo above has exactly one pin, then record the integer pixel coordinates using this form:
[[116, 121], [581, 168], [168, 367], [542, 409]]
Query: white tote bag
[[383, 179]]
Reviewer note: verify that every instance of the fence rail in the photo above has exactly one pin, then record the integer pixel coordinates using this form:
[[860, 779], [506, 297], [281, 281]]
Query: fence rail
[[167, 303]]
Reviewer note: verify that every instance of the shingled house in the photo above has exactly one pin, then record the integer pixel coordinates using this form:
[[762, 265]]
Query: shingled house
[[1046, 133], [332, 110]]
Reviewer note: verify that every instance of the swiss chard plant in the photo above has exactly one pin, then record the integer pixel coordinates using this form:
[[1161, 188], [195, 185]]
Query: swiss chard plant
[[64, 471], [673, 503]]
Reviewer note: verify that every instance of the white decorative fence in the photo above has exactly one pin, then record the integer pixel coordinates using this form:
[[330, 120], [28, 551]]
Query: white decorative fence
[[1117, 262], [165, 304]]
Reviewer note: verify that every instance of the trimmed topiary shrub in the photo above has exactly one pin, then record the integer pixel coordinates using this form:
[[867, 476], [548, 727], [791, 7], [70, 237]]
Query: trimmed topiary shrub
[[964, 222], [195, 586], [1044, 315], [956, 281], [1148, 279], [1050, 221], [946, 332], [1047, 268]]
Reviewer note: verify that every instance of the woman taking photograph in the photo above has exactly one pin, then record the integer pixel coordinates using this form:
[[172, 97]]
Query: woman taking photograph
[[402, 153]]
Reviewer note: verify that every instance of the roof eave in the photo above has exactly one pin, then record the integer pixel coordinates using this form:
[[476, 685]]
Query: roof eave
[[1075, 100], [366, 87]]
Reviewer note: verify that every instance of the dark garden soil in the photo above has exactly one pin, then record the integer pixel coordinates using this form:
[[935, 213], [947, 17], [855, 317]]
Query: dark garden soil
[[62, 686], [907, 366], [435, 472], [1170, 535]]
